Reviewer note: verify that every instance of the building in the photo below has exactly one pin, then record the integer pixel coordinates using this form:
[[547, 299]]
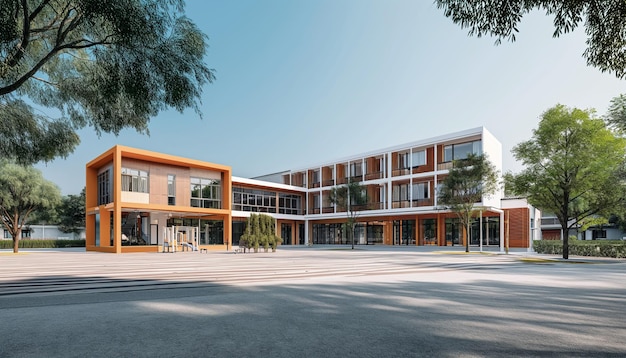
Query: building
[[43, 232], [139, 200], [551, 230]]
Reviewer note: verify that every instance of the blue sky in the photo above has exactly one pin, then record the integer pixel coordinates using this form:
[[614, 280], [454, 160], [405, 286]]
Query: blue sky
[[302, 82]]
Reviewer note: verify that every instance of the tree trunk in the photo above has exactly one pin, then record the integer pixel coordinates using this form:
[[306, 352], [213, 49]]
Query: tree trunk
[[352, 235], [565, 243], [16, 240], [467, 236]]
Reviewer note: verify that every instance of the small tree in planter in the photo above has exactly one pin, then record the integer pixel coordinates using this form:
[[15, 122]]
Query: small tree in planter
[[261, 231], [277, 240], [255, 230]]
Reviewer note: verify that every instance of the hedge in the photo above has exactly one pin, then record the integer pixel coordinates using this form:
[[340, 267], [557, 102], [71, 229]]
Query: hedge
[[598, 248], [31, 244]]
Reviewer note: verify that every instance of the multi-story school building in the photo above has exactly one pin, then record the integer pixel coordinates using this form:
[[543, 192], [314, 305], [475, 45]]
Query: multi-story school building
[[139, 200]]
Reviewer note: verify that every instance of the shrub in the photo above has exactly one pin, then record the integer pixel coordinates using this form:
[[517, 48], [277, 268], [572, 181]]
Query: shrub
[[598, 248], [32, 244]]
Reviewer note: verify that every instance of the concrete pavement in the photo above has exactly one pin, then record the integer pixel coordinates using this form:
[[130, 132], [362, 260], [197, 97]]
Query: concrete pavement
[[302, 302]]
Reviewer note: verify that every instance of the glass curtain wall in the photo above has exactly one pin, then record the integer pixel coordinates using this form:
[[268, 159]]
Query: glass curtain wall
[[454, 230], [403, 232], [429, 231], [211, 232], [491, 231]]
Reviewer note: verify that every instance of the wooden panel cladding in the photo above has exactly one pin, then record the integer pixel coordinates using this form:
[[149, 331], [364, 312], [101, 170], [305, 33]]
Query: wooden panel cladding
[[327, 176], [297, 179], [341, 175], [518, 221], [554, 234]]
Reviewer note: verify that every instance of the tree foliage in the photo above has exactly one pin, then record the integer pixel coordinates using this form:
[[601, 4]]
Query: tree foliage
[[350, 198], [260, 231], [101, 63], [22, 191], [604, 21], [616, 115], [71, 213], [574, 167], [467, 183]]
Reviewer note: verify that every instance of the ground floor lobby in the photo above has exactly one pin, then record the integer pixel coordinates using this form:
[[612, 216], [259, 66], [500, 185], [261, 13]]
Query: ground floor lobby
[[153, 231]]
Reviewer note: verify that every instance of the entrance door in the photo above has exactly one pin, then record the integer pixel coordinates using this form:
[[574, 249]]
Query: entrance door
[[285, 233]]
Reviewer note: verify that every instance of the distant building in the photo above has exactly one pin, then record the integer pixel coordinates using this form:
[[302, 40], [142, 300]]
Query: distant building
[[47, 232], [139, 200], [551, 230]]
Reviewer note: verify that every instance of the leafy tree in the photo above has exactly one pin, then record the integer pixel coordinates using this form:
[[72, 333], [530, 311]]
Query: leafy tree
[[351, 198], [72, 213], [616, 115], [102, 63], [604, 21], [574, 168], [467, 183], [22, 191], [260, 230], [48, 215]]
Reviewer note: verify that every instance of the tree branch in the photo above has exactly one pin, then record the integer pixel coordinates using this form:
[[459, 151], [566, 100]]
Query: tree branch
[[18, 51], [38, 10], [72, 45]]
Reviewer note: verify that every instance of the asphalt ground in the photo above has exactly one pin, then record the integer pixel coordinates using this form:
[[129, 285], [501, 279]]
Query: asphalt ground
[[311, 302]]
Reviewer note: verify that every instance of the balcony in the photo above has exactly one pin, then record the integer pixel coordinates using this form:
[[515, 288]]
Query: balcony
[[328, 210], [400, 171], [342, 180], [329, 182], [423, 202], [400, 204], [444, 166], [374, 175], [369, 206]]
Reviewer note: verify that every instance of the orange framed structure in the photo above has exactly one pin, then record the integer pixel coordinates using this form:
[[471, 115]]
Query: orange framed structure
[[108, 202]]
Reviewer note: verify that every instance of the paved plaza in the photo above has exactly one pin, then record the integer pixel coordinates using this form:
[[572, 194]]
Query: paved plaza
[[310, 302]]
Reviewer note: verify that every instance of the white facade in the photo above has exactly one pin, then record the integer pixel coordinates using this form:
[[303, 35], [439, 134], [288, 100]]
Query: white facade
[[48, 232]]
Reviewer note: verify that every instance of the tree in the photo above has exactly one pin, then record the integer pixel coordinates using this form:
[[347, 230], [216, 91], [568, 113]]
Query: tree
[[260, 230], [72, 213], [574, 168], [350, 198], [616, 115], [467, 183], [604, 21], [102, 63], [22, 191]]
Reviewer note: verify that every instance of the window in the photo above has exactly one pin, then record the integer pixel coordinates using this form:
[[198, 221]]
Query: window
[[289, 204], [421, 191], [255, 200], [206, 193], [418, 158], [25, 233], [598, 234], [316, 176], [171, 189], [104, 187], [403, 161], [400, 192], [461, 151], [356, 169], [134, 180]]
